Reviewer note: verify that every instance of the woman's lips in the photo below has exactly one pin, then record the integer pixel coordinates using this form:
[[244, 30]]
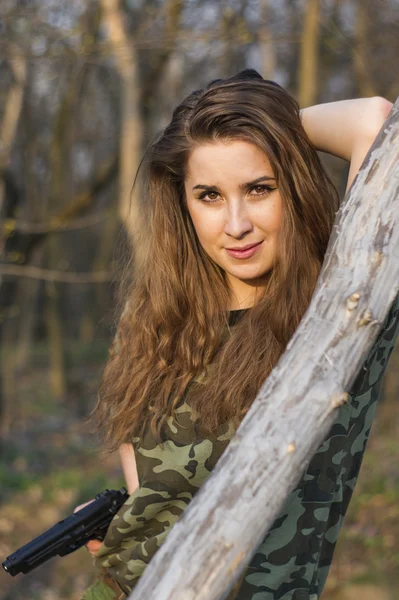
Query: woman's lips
[[247, 252]]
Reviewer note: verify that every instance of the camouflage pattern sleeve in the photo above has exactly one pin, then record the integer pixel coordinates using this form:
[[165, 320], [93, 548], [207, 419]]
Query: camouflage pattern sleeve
[[170, 474], [294, 559]]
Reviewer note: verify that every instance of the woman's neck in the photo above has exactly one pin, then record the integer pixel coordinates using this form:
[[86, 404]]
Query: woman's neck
[[237, 307], [242, 298]]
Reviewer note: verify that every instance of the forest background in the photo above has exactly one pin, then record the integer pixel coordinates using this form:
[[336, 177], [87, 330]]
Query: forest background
[[84, 86]]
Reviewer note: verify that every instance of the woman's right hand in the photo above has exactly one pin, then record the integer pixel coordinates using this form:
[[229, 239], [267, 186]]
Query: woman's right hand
[[93, 546]]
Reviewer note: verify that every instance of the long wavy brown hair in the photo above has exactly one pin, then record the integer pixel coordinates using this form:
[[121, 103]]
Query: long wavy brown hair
[[176, 307]]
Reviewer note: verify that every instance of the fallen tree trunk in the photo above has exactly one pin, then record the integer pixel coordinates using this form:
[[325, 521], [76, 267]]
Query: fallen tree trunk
[[295, 408]]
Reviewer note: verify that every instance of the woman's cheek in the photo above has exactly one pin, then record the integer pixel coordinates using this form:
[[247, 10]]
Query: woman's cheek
[[209, 229]]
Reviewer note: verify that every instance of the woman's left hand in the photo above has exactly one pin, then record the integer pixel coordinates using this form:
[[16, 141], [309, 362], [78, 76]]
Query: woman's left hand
[[92, 546]]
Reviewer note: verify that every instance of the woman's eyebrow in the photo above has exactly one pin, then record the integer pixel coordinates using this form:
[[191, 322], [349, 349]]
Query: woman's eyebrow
[[258, 180], [242, 185]]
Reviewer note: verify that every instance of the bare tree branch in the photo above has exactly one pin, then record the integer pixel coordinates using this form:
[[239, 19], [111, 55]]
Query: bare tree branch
[[53, 226], [52, 275]]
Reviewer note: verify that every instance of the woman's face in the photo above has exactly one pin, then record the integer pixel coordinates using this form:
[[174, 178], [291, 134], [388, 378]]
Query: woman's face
[[236, 211]]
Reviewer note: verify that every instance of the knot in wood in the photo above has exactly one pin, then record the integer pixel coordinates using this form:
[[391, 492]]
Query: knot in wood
[[291, 448], [365, 318], [352, 301], [376, 258], [339, 399]]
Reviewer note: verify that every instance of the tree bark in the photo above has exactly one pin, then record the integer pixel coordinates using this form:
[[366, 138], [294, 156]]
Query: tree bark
[[217, 535]]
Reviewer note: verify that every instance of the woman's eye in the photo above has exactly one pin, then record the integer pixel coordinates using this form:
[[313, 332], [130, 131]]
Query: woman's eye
[[260, 190], [209, 196]]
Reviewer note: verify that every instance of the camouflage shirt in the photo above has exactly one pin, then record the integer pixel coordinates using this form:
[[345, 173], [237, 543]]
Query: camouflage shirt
[[294, 558]]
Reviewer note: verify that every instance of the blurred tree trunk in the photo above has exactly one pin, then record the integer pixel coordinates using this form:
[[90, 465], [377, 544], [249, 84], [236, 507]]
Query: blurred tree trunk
[[126, 61], [360, 58], [137, 97], [162, 61], [173, 11], [266, 45], [8, 374], [58, 374], [294, 16], [234, 32], [228, 37], [97, 297], [27, 301], [309, 52], [34, 212], [8, 206], [59, 188], [12, 112]]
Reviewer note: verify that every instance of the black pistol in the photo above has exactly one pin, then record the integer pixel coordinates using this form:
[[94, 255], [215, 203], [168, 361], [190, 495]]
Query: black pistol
[[90, 522]]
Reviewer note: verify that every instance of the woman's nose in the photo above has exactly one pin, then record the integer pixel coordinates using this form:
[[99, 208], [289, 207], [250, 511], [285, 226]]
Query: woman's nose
[[237, 222]]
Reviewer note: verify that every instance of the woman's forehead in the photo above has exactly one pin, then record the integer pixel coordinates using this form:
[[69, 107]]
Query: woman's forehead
[[235, 159]]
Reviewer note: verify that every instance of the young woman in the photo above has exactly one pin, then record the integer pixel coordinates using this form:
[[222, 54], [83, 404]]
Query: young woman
[[240, 212]]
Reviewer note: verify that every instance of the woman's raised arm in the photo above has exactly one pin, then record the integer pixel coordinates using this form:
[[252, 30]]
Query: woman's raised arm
[[128, 461], [346, 128]]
